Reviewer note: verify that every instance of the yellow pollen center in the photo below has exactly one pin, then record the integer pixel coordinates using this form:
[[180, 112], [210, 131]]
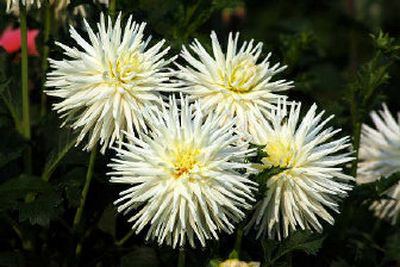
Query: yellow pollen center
[[127, 67], [185, 160], [279, 154], [241, 78]]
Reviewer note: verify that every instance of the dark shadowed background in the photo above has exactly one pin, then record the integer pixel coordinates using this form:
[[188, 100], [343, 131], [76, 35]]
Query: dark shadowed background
[[323, 43]]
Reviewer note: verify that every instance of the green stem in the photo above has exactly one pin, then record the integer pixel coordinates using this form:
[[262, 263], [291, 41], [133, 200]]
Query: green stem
[[181, 258], [112, 9], [51, 167], [45, 54], [121, 242], [238, 243], [78, 249], [356, 146], [26, 124], [85, 190]]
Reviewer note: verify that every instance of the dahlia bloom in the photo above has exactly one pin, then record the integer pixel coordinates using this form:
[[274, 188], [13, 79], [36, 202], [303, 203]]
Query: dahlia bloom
[[379, 156], [234, 83], [311, 180], [183, 177], [105, 85]]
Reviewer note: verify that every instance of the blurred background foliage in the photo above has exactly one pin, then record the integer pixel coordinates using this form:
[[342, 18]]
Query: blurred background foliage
[[333, 61]]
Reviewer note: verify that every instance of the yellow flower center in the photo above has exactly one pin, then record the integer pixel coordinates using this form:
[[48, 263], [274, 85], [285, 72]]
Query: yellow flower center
[[185, 160], [242, 76], [280, 154], [127, 68]]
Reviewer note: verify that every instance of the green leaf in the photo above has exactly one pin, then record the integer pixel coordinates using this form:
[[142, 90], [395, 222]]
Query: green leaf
[[45, 206], [304, 241], [269, 246], [66, 143], [16, 189], [263, 177], [11, 259], [108, 220], [71, 183], [383, 42], [260, 153], [214, 263], [234, 254], [11, 146], [43, 209], [141, 257]]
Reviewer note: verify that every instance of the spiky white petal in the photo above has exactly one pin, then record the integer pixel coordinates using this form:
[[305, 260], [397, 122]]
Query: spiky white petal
[[380, 157], [184, 180], [234, 83], [312, 182], [105, 85]]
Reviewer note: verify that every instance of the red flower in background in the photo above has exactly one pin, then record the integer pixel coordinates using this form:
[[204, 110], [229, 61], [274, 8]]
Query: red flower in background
[[10, 40]]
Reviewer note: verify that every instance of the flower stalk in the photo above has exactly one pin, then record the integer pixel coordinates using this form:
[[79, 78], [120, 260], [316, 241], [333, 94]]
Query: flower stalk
[[181, 258], [121, 242], [112, 9], [85, 190], [26, 125], [238, 243]]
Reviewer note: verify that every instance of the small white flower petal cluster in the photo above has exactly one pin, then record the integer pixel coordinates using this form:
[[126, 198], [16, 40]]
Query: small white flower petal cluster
[[13, 5], [380, 157], [59, 6], [234, 83], [105, 85], [184, 176], [312, 180]]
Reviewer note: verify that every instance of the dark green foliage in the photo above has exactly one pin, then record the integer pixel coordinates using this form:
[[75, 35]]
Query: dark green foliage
[[343, 55], [392, 248], [44, 208], [263, 177], [304, 241], [140, 257]]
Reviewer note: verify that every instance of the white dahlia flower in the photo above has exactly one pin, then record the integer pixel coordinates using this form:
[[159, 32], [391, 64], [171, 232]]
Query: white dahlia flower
[[105, 85], [186, 179], [312, 180], [234, 83], [380, 157]]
